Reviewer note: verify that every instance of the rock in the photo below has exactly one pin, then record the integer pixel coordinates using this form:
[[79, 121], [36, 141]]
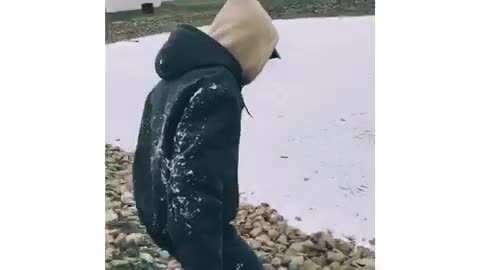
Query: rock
[[310, 265], [273, 234], [127, 199], [324, 241], [121, 240], [129, 212], [137, 239], [164, 254], [268, 267], [109, 254], [114, 232], [364, 262], [300, 246], [335, 266], [335, 255], [146, 257], [278, 245], [320, 260], [111, 218], [276, 262], [131, 252], [286, 260], [120, 263], [344, 246], [282, 239], [109, 239], [256, 232], [275, 218], [365, 252], [372, 241], [115, 205], [296, 263], [265, 257], [254, 244], [263, 238]]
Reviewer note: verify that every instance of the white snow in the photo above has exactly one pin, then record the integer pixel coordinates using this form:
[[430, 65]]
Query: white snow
[[314, 106]]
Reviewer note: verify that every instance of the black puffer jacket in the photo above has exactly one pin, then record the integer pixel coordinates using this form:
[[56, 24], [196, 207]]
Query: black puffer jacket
[[185, 170]]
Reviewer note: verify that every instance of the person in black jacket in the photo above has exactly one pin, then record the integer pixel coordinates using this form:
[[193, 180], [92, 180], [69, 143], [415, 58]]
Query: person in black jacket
[[185, 169]]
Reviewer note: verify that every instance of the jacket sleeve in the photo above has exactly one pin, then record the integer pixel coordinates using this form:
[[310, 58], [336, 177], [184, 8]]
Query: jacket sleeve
[[204, 144]]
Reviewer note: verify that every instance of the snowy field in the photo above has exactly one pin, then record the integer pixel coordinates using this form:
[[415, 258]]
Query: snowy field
[[309, 149]]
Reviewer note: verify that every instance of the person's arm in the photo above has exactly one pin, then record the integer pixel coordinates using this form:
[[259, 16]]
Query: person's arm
[[204, 155]]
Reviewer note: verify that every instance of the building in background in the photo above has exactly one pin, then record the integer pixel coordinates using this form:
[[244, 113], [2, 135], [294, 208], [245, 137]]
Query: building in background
[[126, 5]]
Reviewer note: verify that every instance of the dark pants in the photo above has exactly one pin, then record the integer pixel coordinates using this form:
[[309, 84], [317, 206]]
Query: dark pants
[[237, 254]]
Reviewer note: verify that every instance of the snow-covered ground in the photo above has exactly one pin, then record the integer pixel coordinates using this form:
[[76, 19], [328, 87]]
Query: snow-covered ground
[[309, 149]]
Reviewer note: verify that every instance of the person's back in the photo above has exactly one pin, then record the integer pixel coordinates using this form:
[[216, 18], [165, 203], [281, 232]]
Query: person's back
[[185, 170]]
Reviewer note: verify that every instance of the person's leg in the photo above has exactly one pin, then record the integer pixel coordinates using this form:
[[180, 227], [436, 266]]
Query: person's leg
[[237, 254]]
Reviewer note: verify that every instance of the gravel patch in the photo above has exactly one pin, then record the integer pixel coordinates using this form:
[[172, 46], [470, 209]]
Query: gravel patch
[[278, 245]]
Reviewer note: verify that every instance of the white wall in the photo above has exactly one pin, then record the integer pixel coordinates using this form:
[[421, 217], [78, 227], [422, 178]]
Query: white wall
[[124, 5]]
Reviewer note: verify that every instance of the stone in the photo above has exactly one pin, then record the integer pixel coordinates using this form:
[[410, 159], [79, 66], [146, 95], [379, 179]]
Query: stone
[[335, 255], [372, 241], [131, 252], [111, 218], [278, 245], [120, 240], [116, 205], [274, 218], [119, 263], [286, 260], [263, 238], [136, 239], [282, 239], [276, 262], [268, 267], [109, 239], [265, 257], [335, 265], [300, 246], [127, 199], [296, 263], [109, 254], [365, 252], [256, 232], [273, 234], [254, 244], [128, 212], [364, 262], [324, 241], [320, 260], [164, 254], [114, 232], [146, 257], [344, 246], [310, 265]]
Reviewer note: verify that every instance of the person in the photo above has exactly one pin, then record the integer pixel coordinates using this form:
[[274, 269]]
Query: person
[[185, 181]]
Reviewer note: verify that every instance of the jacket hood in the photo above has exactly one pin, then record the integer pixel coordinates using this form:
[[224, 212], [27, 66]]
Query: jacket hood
[[247, 31], [188, 48]]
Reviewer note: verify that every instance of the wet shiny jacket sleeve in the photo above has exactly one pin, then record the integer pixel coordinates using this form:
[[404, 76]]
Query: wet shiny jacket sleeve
[[205, 156]]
